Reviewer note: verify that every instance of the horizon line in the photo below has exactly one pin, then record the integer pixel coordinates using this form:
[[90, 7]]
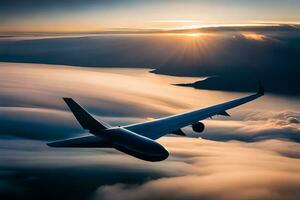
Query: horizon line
[[204, 28]]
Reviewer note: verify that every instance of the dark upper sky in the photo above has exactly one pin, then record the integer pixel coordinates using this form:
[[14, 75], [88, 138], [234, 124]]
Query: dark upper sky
[[95, 15]]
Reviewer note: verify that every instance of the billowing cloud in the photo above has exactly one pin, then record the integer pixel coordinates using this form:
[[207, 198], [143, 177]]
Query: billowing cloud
[[260, 126], [218, 171], [31, 108], [37, 123], [218, 186], [119, 97], [196, 169], [24, 92], [30, 169]]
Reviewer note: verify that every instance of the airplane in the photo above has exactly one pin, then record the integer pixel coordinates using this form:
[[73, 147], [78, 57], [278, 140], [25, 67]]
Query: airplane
[[138, 140]]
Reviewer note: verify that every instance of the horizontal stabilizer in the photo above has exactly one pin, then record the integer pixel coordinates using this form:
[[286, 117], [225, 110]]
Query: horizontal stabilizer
[[86, 120], [84, 142]]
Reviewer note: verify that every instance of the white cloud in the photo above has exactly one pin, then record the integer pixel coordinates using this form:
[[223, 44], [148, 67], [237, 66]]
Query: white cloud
[[218, 171]]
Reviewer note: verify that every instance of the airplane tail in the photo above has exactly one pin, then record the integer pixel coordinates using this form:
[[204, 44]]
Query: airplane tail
[[86, 120]]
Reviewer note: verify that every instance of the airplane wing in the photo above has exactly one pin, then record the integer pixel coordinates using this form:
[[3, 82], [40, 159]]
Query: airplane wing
[[85, 141], [160, 127]]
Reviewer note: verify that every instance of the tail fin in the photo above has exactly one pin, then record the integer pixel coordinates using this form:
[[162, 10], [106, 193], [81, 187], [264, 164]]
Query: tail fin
[[85, 119]]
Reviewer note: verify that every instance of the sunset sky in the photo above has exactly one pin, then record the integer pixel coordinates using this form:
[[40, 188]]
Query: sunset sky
[[98, 15], [132, 61]]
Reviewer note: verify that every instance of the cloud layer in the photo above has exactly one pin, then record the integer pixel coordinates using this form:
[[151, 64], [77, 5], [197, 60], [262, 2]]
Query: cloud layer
[[120, 97], [218, 171], [260, 126], [238, 55], [196, 169], [264, 165]]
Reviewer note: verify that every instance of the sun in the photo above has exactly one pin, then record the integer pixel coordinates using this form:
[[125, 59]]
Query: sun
[[192, 34]]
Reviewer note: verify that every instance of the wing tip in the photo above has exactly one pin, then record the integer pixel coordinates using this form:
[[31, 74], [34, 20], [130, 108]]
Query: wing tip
[[52, 144], [261, 89], [67, 99]]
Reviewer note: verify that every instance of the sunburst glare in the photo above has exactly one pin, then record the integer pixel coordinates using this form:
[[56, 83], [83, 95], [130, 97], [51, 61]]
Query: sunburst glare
[[192, 34]]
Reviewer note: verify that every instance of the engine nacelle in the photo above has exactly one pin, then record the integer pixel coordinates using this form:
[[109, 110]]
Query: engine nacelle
[[198, 127]]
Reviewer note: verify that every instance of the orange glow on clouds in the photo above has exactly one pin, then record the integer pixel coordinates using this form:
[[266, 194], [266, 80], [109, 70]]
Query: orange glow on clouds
[[254, 36], [192, 34]]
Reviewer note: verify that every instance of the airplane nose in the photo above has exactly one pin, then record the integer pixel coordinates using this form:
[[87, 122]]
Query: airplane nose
[[165, 154]]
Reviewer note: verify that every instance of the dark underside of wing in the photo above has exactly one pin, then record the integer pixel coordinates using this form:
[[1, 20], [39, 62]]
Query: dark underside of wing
[[85, 141]]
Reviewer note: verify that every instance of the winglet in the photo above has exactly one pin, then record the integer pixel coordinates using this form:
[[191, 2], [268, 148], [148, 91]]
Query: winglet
[[86, 120], [261, 89]]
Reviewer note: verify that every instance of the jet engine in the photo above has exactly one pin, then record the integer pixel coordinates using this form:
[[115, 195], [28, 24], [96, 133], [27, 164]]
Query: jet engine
[[198, 127]]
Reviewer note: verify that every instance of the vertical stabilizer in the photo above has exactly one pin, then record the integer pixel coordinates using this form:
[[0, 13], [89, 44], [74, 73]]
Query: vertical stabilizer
[[86, 120]]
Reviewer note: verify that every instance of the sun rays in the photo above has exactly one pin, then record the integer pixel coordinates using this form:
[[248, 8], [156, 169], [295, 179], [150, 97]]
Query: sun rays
[[192, 34]]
